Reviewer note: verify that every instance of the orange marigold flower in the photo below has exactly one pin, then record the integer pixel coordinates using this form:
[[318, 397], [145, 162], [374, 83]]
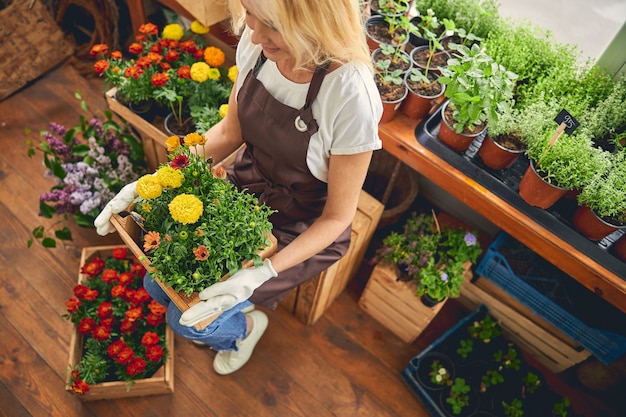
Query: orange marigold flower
[[150, 338], [149, 29], [116, 55], [172, 143], [154, 319], [165, 66], [184, 72], [135, 48], [157, 308], [99, 49], [101, 333], [219, 172], [143, 62], [159, 79], [110, 275], [72, 305], [154, 353], [105, 309], [155, 57], [201, 252], [118, 290], [125, 355], [141, 296], [93, 268], [101, 66], [188, 46], [214, 56], [151, 240], [133, 72], [126, 278]]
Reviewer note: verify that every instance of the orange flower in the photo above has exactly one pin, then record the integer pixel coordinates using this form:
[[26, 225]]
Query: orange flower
[[101, 66], [214, 56], [135, 48], [151, 241], [172, 56], [149, 29], [116, 55], [159, 79], [219, 172], [184, 72], [201, 252], [133, 72], [99, 49], [172, 143]]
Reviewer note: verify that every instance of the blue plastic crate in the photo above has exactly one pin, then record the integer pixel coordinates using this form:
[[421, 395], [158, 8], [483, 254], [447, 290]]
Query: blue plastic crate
[[552, 295]]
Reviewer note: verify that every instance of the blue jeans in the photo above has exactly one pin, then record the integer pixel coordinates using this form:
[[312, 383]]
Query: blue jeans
[[220, 335]]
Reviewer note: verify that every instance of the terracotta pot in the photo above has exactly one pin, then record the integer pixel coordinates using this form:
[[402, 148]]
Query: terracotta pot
[[590, 225], [419, 58], [496, 156], [456, 141], [537, 192], [391, 107], [620, 247], [416, 105], [402, 64], [376, 31]]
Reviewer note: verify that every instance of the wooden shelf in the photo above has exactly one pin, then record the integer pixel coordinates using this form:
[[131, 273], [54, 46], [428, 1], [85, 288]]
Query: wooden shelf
[[398, 137]]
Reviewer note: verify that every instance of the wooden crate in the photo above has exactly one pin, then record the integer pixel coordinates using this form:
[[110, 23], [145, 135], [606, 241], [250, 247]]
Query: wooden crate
[[541, 340], [395, 305], [311, 299], [153, 138], [162, 382], [130, 234]]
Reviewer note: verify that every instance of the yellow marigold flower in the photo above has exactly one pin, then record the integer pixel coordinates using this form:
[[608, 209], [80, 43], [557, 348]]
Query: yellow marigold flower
[[148, 187], [170, 177], [199, 71], [194, 138], [173, 31], [199, 28], [214, 73], [172, 143], [233, 72], [186, 208], [223, 110], [147, 207], [214, 56]]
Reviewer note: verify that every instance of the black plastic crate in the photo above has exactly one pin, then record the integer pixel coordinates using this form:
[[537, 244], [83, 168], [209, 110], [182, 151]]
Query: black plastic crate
[[556, 297]]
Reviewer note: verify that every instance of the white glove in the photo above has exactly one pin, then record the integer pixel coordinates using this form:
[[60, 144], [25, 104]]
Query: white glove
[[226, 294], [118, 203]]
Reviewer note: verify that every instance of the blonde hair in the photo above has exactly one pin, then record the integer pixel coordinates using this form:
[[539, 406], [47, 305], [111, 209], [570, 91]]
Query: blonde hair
[[316, 31]]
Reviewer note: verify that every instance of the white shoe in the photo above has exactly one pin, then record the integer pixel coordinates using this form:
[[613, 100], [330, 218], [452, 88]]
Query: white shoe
[[246, 310], [229, 361]]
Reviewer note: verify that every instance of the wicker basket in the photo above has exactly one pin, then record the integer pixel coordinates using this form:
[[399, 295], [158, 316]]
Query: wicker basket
[[392, 183], [31, 44]]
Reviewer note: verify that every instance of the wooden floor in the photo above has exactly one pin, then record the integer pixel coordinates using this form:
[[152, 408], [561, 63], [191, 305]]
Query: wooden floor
[[345, 365]]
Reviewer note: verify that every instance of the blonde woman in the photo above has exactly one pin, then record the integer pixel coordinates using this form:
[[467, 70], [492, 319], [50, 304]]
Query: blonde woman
[[306, 106]]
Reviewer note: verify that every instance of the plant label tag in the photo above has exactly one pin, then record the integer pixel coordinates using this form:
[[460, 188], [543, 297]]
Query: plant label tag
[[565, 118]]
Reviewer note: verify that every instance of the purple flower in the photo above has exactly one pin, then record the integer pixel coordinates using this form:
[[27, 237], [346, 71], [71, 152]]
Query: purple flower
[[470, 239], [57, 128], [444, 277]]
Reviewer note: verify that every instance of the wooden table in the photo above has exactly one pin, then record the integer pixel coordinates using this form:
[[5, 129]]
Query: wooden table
[[398, 137]]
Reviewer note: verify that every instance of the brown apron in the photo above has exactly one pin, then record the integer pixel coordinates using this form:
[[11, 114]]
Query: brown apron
[[273, 166]]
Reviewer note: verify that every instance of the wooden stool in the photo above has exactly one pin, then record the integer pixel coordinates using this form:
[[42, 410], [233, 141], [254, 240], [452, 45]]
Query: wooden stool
[[311, 299]]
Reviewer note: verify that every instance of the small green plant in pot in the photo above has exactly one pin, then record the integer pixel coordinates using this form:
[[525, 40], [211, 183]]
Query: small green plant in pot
[[435, 258], [459, 397], [477, 87]]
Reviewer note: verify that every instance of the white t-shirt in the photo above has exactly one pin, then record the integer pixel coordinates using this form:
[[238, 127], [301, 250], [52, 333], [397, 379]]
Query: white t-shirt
[[347, 109]]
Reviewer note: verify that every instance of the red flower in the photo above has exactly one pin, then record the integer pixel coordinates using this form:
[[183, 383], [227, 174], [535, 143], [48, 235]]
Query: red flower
[[135, 48], [126, 278], [101, 66], [125, 355], [80, 290], [184, 72], [116, 55], [119, 253], [91, 295], [135, 367], [129, 326], [107, 321], [86, 325], [129, 294], [198, 54], [72, 305], [154, 57], [138, 269], [105, 309], [80, 387], [115, 348], [154, 319], [141, 296], [144, 62], [135, 313], [93, 268], [133, 72], [118, 291], [189, 46], [165, 66], [99, 49], [159, 79], [109, 276], [154, 353], [157, 308], [179, 161], [172, 56], [150, 338], [101, 333]]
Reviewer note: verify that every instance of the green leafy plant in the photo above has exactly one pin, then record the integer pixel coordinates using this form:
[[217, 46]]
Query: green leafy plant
[[562, 408], [434, 257], [434, 31], [490, 378], [90, 163], [485, 330], [479, 17], [532, 382], [514, 408], [123, 329], [391, 7], [198, 225], [477, 86], [466, 346], [439, 375], [509, 358], [459, 395]]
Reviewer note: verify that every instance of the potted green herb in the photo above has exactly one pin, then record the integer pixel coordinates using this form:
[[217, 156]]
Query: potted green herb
[[459, 396], [390, 84], [477, 88]]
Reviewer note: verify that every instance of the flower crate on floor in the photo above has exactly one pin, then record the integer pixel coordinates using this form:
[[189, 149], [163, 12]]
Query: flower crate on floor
[[161, 382], [395, 305]]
